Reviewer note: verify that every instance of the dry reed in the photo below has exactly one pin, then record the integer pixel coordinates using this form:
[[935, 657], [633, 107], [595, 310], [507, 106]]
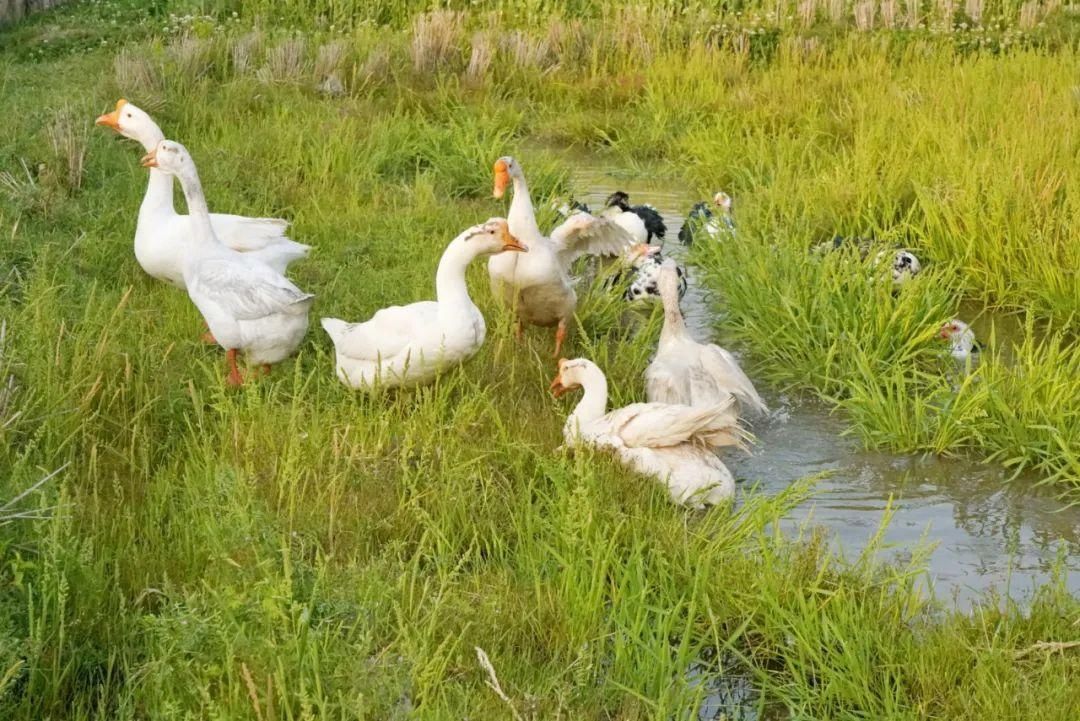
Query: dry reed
[[286, 62], [435, 38], [68, 138]]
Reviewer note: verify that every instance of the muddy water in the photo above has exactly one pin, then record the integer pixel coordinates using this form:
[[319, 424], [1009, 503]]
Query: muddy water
[[987, 533]]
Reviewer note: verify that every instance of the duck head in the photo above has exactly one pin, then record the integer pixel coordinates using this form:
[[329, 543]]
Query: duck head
[[619, 200], [722, 200]]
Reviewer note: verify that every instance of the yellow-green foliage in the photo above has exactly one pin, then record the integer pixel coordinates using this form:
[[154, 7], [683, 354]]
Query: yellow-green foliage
[[295, 550]]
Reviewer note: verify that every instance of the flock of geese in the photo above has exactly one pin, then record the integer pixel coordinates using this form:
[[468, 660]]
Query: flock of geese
[[232, 268]]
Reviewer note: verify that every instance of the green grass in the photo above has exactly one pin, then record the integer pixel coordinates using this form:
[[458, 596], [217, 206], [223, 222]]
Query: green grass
[[295, 550]]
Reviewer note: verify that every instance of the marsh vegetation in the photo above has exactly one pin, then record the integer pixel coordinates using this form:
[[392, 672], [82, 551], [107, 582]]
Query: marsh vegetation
[[291, 549]]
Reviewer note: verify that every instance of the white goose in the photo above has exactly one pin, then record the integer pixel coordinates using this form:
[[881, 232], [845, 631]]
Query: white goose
[[538, 285], [247, 305], [672, 443], [691, 373], [162, 234], [411, 344]]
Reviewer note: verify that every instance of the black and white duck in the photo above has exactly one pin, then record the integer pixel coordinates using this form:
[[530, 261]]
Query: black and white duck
[[905, 265], [702, 221], [618, 203], [645, 261]]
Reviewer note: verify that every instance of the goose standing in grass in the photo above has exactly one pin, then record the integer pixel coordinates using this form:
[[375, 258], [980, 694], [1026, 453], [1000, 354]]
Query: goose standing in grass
[[247, 305], [673, 443], [537, 284], [701, 221], [962, 343], [162, 235], [409, 345], [690, 373], [650, 216]]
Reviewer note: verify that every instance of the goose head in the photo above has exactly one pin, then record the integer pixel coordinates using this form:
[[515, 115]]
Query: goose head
[[170, 157], [134, 123], [722, 200], [490, 237], [506, 170], [571, 375]]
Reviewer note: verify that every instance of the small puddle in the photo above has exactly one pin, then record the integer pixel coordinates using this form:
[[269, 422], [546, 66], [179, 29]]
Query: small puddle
[[989, 533]]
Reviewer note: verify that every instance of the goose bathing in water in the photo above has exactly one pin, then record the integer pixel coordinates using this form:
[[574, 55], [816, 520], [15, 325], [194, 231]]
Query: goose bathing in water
[[162, 235], [691, 373], [537, 285], [247, 305], [409, 345], [675, 444]]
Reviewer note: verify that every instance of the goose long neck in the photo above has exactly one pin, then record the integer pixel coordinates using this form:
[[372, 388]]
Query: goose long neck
[[674, 323], [451, 290], [593, 404], [198, 211], [159, 192], [522, 216]]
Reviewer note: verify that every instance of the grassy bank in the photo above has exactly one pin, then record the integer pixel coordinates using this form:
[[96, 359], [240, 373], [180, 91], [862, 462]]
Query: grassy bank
[[293, 550]]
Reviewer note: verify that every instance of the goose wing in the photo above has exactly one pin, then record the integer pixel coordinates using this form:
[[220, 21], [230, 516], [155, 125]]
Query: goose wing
[[656, 425], [388, 332], [246, 291], [585, 234], [727, 374]]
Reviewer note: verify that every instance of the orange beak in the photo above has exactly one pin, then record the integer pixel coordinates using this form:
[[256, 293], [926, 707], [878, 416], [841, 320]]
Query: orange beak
[[510, 242], [112, 120], [502, 178], [557, 387], [149, 160]]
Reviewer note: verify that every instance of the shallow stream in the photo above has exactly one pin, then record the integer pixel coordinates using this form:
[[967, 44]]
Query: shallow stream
[[988, 531]]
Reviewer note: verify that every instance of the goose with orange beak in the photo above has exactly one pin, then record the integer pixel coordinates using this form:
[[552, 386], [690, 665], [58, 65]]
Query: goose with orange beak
[[409, 345], [162, 236], [537, 285], [249, 307], [674, 444]]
